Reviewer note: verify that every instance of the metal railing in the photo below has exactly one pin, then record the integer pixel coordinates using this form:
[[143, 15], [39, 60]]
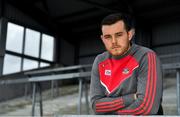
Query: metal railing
[[52, 74], [173, 65]]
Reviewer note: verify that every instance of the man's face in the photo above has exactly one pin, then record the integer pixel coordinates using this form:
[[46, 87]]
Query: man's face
[[116, 39]]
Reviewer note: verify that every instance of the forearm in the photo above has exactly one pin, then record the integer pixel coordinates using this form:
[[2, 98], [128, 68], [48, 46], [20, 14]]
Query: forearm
[[146, 106], [112, 104]]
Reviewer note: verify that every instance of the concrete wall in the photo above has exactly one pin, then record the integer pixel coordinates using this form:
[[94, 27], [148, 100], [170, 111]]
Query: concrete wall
[[66, 53], [143, 36], [166, 40], [166, 33], [14, 15], [89, 48]]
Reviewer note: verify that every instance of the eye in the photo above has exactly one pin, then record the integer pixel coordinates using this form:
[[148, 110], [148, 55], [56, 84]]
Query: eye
[[108, 37], [119, 34]]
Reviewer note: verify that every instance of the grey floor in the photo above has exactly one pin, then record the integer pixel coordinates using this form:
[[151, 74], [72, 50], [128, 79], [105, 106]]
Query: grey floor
[[66, 102]]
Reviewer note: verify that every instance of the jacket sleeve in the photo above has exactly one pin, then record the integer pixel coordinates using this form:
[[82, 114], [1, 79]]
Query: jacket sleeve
[[100, 103], [149, 88]]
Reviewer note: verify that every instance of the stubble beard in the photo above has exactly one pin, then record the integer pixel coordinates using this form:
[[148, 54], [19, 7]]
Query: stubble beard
[[118, 51]]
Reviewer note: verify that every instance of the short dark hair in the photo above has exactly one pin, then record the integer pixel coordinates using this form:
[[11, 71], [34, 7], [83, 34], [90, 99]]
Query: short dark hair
[[113, 18]]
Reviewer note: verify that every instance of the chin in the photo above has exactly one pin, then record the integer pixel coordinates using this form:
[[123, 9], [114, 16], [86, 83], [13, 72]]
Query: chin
[[116, 53], [119, 54]]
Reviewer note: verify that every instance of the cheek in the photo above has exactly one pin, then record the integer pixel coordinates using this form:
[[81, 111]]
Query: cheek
[[108, 46], [123, 41], [107, 43]]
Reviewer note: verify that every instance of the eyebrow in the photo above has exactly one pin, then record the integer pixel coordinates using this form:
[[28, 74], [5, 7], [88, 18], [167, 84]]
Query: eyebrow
[[118, 33], [107, 35]]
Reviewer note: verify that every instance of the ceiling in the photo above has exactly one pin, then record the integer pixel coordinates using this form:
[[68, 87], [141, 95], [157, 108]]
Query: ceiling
[[74, 19]]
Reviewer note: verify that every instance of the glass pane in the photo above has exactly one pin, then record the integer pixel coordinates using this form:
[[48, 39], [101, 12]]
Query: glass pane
[[30, 64], [12, 64], [32, 43], [14, 38], [47, 47], [42, 64]]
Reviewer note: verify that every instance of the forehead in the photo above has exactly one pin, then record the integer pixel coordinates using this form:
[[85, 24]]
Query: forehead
[[113, 28]]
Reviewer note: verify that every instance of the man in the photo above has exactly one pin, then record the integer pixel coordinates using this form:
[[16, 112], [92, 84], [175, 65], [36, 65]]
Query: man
[[127, 78]]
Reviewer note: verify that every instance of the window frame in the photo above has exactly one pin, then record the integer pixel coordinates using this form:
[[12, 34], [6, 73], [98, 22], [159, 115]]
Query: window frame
[[23, 55]]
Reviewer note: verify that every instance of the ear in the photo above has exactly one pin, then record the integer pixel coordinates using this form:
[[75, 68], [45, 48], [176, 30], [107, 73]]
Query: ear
[[131, 33], [102, 37], [103, 40]]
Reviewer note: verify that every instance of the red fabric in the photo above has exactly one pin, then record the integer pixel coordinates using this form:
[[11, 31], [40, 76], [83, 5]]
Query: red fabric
[[113, 72]]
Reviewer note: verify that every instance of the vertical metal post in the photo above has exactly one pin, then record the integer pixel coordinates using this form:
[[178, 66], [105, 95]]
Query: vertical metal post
[[40, 99], [3, 32], [80, 96], [57, 88], [178, 91], [26, 90], [52, 89], [86, 96], [34, 98]]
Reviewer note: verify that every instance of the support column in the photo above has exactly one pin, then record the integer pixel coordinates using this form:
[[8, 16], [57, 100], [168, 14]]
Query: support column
[[3, 31]]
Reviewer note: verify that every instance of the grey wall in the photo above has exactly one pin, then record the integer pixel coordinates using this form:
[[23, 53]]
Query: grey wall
[[89, 48], [66, 53], [143, 36], [166, 33], [166, 40], [16, 16], [11, 91], [3, 28]]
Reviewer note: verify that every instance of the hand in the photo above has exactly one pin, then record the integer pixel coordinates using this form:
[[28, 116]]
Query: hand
[[135, 96]]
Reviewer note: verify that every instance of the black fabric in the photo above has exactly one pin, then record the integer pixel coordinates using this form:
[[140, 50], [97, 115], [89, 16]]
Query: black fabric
[[160, 111]]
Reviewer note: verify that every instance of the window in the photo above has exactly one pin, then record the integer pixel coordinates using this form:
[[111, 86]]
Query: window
[[14, 38], [47, 47], [32, 41], [11, 64], [30, 64], [27, 49], [42, 64]]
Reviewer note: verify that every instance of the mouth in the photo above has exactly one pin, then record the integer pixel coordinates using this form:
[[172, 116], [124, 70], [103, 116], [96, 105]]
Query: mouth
[[115, 47]]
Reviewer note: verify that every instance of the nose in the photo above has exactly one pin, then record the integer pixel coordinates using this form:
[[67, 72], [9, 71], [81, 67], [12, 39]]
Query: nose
[[114, 40]]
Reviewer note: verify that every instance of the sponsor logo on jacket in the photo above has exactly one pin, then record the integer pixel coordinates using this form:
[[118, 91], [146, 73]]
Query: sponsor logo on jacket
[[125, 71], [108, 72]]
